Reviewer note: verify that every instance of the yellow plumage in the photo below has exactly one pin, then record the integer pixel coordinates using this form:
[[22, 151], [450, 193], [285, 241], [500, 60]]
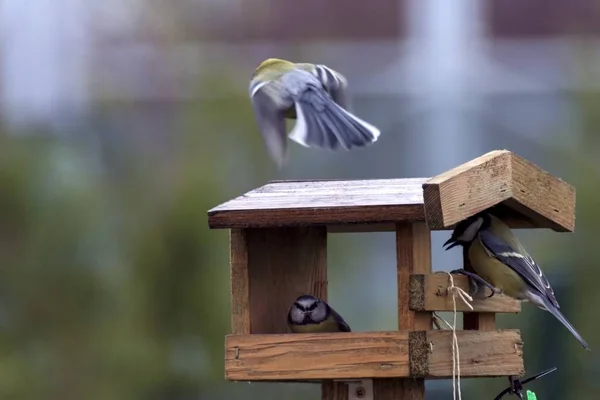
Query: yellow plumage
[[313, 95], [494, 271], [327, 326], [273, 68]]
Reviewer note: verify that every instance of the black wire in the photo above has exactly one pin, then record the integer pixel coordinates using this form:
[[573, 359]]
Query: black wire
[[521, 383]]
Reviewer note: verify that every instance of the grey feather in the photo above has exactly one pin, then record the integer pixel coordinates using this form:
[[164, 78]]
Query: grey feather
[[271, 123], [548, 306], [335, 84], [319, 134], [539, 290], [524, 265], [319, 96], [328, 125]]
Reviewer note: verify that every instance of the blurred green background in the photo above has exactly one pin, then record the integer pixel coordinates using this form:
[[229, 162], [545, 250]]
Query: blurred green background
[[123, 122]]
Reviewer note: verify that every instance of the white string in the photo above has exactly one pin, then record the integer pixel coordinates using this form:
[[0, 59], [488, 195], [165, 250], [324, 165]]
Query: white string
[[464, 296]]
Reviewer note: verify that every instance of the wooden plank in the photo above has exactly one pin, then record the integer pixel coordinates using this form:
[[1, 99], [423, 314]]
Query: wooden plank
[[467, 189], [240, 283], [430, 293], [544, 198], [331, 390], [372, 355], [383, 387], [323, 203], [351, 355], [482, 354], [283, 263], [500, 178], [413, 256], [362, 227]]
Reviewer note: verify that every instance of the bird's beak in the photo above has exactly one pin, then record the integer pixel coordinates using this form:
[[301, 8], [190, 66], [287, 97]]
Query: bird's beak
[[450, 243]]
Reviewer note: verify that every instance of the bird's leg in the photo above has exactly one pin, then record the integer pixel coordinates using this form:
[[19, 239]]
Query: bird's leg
[[515, 386], [475, 281]]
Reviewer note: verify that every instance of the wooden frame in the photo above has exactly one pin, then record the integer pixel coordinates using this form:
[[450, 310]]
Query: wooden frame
[[403, 354], [524, 191], [278, 246]]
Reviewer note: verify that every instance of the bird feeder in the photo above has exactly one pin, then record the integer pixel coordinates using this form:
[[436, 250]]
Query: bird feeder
[[278, 244]]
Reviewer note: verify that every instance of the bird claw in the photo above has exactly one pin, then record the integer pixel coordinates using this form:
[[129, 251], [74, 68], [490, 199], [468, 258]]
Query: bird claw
[[476, 283]]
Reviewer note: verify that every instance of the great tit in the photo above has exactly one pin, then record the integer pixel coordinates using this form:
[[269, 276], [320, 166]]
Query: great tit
[[309, 314], [498, 257], [315, 96]]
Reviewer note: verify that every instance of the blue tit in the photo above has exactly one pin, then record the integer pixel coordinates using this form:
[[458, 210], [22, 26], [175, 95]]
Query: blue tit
[[311, 315], [498, 257], [315, 96]]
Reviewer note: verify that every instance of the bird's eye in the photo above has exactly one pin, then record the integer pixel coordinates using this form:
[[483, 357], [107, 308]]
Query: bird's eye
[[312, 306]]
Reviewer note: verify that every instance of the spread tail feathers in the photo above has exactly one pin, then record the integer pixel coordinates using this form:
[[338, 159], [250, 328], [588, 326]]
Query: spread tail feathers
[[323, 123], [548, 306]]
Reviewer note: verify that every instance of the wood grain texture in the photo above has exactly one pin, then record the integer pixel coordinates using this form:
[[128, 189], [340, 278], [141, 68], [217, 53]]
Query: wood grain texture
[[413, 256], [362, 227], [524, 191], [240, 283], [317, 356], [482, 354], [467, 189], [283, 263], [385, 389], [547, 200], [430, 293], [270, 268], [331, 390], [298, 203], [367, 355]]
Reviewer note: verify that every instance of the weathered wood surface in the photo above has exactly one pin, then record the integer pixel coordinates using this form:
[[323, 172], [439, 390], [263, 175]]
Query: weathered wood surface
[[482, 354], [317, 356], [413, 256], [270, 268], [429, 292], [500, 177], [293, 203], [371, 355]]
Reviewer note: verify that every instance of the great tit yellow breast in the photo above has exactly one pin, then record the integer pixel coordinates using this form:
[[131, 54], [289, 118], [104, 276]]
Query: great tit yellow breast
[[327, 326], [494, 271]]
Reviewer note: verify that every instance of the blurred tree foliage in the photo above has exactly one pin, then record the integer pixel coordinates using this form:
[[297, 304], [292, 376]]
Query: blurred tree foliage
[[109, 288], [112, 286]]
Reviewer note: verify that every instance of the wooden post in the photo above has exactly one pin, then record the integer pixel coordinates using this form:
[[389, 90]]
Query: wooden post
[[270, 268], [413, 256]]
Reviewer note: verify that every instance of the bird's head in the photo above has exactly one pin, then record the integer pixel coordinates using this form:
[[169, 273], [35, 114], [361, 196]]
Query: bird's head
[[308, 310], [272, 64], [466, 230]]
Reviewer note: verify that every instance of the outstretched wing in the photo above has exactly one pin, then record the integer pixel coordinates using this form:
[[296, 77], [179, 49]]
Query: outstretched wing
[[335, 84], [271, 123], [522, 264]]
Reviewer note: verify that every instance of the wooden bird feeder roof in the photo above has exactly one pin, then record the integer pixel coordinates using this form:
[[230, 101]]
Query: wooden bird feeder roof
[[510, 186]]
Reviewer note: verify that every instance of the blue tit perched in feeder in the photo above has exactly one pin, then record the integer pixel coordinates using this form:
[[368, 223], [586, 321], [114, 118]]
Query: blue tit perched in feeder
[[309, 314], [499, 258], [315, 96]]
